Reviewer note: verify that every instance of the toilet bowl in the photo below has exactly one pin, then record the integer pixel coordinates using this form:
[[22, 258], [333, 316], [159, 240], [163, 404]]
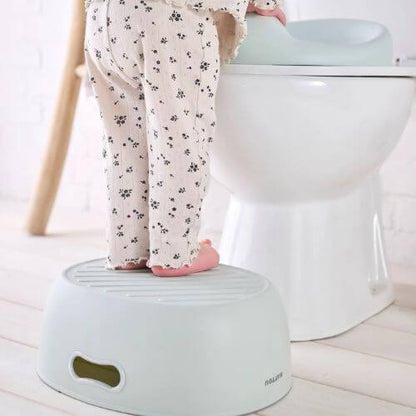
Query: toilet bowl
[[300, 148]]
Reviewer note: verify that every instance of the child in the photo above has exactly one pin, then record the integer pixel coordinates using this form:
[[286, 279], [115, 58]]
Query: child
[[153, 66]]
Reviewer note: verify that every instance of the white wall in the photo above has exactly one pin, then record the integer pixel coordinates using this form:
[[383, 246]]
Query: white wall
[[34, 41], [32, 49]]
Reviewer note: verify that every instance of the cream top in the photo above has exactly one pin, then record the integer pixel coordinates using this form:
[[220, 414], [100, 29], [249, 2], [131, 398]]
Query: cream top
[[230, 19]]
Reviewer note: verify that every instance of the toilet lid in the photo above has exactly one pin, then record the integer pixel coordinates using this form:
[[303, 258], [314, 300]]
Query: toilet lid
[[321, 71]]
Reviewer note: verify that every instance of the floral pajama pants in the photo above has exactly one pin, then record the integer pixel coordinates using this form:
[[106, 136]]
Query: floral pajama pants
[[153, 68]]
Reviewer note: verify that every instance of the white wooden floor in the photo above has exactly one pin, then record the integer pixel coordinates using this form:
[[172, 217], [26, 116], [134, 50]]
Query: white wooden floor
[[370, 370]]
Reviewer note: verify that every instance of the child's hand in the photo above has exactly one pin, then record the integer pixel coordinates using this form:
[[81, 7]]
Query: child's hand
[[279, 13]]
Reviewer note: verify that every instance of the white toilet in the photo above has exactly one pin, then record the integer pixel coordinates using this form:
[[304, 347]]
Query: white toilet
[[300, 148]]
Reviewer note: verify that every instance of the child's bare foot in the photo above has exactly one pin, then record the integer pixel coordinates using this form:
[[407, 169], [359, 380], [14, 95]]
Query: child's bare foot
[[207, 258], [133, 266]]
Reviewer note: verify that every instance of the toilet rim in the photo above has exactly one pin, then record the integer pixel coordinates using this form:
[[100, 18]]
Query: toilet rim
[[322, 71]]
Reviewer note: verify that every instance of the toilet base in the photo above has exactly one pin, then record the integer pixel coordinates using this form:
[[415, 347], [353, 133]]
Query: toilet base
[[326, 257]]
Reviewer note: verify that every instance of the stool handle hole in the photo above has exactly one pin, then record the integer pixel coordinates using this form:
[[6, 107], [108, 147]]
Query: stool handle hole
[[103, 373]]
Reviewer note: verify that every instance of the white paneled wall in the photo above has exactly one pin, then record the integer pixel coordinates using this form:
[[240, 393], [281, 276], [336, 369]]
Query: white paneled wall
[[399, 183], [33, 48]]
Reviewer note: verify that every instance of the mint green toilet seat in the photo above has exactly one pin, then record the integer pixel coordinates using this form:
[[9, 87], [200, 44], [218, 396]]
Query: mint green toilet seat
[[326, 42]]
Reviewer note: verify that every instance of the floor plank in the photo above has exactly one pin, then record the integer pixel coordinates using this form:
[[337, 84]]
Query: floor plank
[[14, 405], [27, 278], [313, 399], [356, 372], [395, 317], [20, 323], [405, 295], [20, 287], [40, 255], [379, 342]]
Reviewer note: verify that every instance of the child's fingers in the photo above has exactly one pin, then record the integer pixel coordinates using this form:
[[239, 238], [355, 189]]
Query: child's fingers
[[281, 16], [279, 13]]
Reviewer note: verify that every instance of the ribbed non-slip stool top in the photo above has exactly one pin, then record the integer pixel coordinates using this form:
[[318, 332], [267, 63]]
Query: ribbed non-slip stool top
[[222, 284]]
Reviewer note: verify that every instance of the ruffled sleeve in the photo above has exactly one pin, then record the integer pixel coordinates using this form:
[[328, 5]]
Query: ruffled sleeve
[[232, 25]]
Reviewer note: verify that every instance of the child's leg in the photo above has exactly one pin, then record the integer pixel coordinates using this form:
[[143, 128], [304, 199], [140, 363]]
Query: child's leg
[[167, 57], [180, 75], [122, 109]]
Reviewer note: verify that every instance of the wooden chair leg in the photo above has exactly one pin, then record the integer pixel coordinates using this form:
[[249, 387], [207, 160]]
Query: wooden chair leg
[[61, 128]]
